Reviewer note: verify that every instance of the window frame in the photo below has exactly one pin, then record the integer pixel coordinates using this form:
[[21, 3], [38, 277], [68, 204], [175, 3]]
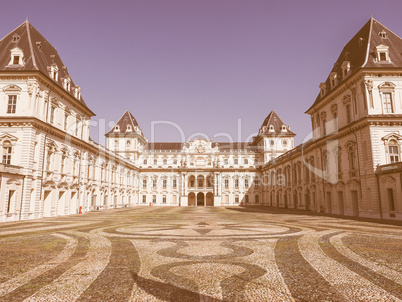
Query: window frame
[[12, 104]]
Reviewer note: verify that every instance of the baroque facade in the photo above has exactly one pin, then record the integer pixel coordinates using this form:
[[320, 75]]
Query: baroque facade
[[351, 166]]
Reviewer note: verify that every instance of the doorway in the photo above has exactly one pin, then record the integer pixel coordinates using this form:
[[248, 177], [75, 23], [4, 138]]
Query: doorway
[[210, 199], [200, 199]]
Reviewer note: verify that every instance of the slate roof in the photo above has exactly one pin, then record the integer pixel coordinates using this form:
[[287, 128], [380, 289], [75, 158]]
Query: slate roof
[[126, 119], [360, 51], [164, 146], [39, 54], [274, 120], [174, 146]]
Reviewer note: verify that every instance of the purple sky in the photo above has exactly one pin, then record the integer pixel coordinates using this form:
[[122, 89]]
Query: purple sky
[[200, 64]]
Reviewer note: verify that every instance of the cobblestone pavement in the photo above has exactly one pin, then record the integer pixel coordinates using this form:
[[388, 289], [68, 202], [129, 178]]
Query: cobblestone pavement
[[199, 254]]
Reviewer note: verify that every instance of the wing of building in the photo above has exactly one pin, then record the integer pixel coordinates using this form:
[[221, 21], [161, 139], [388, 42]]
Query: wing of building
[[351, 166]]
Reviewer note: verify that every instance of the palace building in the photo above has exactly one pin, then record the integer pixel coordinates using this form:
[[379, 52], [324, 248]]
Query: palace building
[[351, 166]]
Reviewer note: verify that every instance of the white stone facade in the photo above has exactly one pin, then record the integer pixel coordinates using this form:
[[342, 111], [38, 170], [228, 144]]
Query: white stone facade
[[351, 166]]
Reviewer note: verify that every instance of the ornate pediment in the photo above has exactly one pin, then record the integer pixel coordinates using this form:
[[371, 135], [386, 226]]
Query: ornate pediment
[[395, 136], [8, 137], [200, 146]]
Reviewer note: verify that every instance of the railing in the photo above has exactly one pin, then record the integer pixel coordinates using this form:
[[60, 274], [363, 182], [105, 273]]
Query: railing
[[200, 188]]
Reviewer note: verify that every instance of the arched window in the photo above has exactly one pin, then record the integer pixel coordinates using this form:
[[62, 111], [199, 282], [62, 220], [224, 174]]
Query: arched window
[[7, 150]]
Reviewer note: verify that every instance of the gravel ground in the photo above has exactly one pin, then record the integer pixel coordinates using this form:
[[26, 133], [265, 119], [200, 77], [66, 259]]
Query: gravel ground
[[200, 254]]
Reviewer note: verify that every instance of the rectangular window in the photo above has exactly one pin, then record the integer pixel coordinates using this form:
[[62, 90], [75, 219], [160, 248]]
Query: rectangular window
[[393, 154], [153, 198], [387, 103], [155, 162], [164, 183], [246, 198], [154, 183], [10, 199], [144, 198], [256, 183], [236, 198], [236, 161], [257, 198], [175, 161], [383, 56], [51, 114], [65, 121], [7, 155], [246, 183], [165, 162], [324, 127], [246, 161], [236, 183], [12, 104], [16, 60], [226, 161], [164, 199], [391, 202], [144, 183], [175, 183], [226, 183], [348, 114], [145, 161]]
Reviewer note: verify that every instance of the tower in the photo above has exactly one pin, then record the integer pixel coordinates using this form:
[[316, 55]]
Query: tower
[[274, 137], [126, 137]]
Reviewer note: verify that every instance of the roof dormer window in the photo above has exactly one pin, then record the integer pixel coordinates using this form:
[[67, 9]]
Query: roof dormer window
[[16, 38], [383, 34], [67, 83], [323, 89], [284, 129], [17, 57], [54, 72], [271, 128], [333, 79], [77, 92], [382, 53], [345, 69], [129, 128], [116, 128]]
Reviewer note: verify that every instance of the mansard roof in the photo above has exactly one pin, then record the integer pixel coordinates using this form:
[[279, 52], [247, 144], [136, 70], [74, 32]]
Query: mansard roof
[[39, 54], [276, 122], [361, 53], [123, 123]]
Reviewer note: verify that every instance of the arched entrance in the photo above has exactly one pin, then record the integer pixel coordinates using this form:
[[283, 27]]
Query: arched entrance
[[210, 199], [200, 199], [191, 199]]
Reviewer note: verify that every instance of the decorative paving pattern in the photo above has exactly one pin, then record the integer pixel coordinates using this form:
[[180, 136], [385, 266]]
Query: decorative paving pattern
[[200, 254]]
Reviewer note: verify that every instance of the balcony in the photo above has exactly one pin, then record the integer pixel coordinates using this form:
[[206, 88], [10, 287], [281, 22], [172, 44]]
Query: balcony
[[200, 188]]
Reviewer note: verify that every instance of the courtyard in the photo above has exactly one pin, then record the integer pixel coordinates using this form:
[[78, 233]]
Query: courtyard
[[199, 254]]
